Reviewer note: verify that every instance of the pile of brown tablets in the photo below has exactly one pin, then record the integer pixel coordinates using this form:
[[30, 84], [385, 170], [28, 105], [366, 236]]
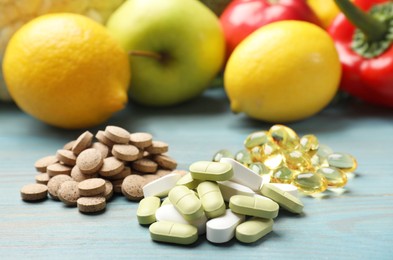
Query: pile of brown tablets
[[86, 172]]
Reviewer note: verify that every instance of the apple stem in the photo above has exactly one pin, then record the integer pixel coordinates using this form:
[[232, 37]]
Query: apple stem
[[149, 54]]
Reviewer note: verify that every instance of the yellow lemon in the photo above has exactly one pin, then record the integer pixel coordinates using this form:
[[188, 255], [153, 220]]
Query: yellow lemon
[[66, 70], [326, 10], [283, 72]]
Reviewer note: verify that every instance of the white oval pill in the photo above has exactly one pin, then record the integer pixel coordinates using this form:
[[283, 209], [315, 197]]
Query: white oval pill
[[292, 189], [222, 229], [168, 212], [161, 186], [230, 188], [243, 175]]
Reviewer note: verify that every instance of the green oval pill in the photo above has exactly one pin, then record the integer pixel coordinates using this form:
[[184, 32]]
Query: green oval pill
[[188, 181], [146, 212], [212, 201], [186, 202], [283, 198], [253, 229], [176, 233], [256, 206], [211, 171]]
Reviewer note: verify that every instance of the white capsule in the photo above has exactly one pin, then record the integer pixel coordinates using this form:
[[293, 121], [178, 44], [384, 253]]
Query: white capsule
[[161, 186], [292, 189], [168, 212], [230, 188], [243, 175], [222, 229]]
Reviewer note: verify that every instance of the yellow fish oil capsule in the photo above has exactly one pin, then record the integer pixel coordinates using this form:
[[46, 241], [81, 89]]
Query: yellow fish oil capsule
[[186, 202], [324, 151], [284, 136], [256, 206], [309, 182], [257, 139], [259, 168], [282, 175], [334, 176], [211, 171], [296, 160], [256, 153], [343, 161], [253, 229], [223, 153], [309, 144], [212, 201], [176, 233], [146, 212], [243, 157]]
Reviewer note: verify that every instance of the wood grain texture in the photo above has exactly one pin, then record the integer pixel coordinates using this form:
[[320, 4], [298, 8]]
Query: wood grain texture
[[355, 225]]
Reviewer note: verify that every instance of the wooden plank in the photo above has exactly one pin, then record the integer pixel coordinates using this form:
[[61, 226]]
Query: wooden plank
[[355, 225]]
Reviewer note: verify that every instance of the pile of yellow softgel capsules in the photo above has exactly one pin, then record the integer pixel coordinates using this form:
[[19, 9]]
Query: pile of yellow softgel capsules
[[287, 158]]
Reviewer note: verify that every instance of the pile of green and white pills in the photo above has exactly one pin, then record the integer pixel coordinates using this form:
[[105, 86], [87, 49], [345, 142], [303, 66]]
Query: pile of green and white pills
[[220, 199]]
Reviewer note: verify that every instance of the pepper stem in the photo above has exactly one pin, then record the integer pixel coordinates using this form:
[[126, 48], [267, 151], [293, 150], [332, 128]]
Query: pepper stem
[[373, 29]]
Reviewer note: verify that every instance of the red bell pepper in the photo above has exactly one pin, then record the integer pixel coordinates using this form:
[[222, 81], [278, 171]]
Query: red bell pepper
[[364, 44], [242, 17]]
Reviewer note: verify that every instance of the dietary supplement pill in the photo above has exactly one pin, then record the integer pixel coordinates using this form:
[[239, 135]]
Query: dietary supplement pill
[[253, 229], [146, 212], [256, 206], [186, 202], [211, 171], [176, 233]]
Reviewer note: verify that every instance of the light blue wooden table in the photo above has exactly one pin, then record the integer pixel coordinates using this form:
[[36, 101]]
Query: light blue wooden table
[[355, 225]]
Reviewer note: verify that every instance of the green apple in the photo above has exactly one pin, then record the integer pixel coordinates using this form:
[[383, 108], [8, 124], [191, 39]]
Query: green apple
[[176, 48]]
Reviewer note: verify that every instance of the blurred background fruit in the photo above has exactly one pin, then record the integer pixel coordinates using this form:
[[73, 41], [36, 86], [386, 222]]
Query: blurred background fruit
[[217, 6], [326, 10], [241, 17], [15, 13], [66, 70], [177, 48], [284, 71]]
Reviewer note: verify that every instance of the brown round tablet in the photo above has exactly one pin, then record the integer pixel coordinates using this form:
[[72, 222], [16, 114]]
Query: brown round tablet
[[165, 161], [34, 192], [125, 152], [69, 145], [141, 140], [150, 177], [58, 168], [117, 134], [132, 187], [102, 138], [157, 147], [66, 156], [145, 165], [44, 162], [42, 178], [102, 148], [68, 193], [108, 193], [78, 176], [91, 204], [91, 187], [120, 176], [117, 185], [162, 172], [83, 142], [54, 184], [111, 167], [89, 161]]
